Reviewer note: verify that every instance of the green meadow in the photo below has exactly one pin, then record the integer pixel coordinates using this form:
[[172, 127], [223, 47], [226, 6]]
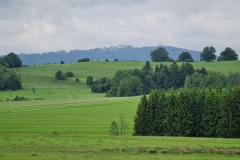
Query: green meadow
[[64, 120]]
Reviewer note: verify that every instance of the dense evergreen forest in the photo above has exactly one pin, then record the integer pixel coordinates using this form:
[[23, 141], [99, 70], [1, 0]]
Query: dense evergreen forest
[[190, 112]]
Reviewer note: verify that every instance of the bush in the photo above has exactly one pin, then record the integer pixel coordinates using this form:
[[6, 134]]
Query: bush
[[60, 76], [17, 98], [77, 80], [69, 74], [84, 60]]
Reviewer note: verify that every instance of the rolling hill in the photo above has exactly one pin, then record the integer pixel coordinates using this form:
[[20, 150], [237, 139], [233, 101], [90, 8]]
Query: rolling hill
[[121, 52]]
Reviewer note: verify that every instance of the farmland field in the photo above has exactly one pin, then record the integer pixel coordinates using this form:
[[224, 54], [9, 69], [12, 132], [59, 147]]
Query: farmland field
[[64, 120]]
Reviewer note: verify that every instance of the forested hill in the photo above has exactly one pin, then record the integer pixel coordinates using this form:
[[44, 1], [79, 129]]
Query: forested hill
[[121, 52]]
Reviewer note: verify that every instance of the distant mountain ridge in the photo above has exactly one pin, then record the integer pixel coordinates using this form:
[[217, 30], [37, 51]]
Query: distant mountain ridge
[[120, 52]]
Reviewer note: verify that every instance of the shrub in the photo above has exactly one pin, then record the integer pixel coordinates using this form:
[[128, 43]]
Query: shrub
[[84, 60], [17, 98], [69, 74]]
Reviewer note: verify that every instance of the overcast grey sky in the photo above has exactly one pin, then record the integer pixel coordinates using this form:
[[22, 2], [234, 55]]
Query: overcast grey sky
[[51, 25]]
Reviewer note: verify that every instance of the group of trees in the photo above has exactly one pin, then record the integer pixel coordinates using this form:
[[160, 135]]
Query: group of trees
[[208, 54], [162, 55], [212, 79], [190, 112], [142, 81], [9, 80], [10, 61], [59, 75]]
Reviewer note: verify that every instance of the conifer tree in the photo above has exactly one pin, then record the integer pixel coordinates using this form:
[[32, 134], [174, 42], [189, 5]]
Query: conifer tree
[[142, 124]]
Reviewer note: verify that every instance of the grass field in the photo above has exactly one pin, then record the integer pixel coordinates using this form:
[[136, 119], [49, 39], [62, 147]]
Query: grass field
[[73, 123]]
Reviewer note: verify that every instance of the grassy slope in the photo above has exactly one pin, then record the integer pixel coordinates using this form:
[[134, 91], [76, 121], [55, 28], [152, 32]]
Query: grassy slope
[[82, 119]]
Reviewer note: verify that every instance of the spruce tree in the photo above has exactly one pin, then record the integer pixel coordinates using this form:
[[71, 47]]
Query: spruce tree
[[142, 124]]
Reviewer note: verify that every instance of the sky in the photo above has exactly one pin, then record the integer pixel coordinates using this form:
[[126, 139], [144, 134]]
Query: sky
[[36, 26]]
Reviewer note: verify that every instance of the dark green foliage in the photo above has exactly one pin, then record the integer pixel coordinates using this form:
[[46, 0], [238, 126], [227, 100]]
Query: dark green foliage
[[101, 85], [69, 74], [210, 114], [163, 77], [9, 61], [191, 113], [175, 80], [62, 76], [212, 79], [142, 125], [84, 60], [228, 55], [159, 55], [208, 54], [3, 77], [3, 63], [77, 80], [61, 62], [233, 79], [13, 82], [170, 60], [130, 86], [229, 124], [185, 57], [12, 60], [58, 75], [9, 80], [89, 81], [17, 98]]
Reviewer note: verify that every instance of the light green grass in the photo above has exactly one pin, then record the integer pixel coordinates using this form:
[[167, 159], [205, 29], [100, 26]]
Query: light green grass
[[73, 123]]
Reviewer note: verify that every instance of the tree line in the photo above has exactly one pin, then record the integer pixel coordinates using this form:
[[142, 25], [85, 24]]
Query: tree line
[[208, 54], [142, 81], [190, 113]]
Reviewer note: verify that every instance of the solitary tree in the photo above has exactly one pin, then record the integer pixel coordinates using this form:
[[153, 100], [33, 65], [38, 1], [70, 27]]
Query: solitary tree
[[122, 124], [159, 55], [208, 54], [58, 75], [89, 81], [13, 60], [185, 57], [228, 55], [114, 129]]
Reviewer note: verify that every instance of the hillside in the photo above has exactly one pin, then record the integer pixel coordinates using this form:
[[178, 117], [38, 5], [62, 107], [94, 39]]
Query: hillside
[[64, 120], [121, 52]]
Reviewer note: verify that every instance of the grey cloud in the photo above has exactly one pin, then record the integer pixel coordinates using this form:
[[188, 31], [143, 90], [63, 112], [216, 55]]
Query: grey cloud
[[38, 26]]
